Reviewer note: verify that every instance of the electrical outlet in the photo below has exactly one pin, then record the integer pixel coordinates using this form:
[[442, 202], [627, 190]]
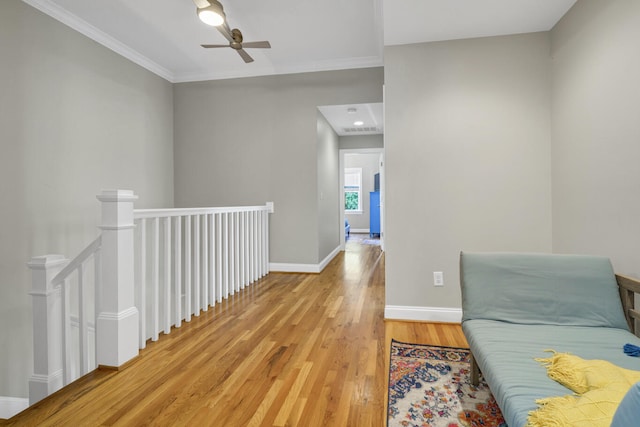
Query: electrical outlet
[[438, 278]]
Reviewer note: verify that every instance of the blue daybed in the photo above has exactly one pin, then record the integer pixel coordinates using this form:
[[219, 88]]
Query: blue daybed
[[515, 306]]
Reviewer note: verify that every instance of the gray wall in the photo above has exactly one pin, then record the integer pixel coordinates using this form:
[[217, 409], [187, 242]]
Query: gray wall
[[467, 145], [252, 140], [596, 132], [74, 118], [353, 142], [328, 188], [369, 163]]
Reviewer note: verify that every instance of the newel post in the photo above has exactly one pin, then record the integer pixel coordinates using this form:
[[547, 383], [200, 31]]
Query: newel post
[[47, 327], [117, 324]]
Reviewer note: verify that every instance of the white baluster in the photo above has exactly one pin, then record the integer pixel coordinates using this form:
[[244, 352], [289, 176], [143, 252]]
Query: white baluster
[[259, 244], [196, 265], [167, 275], [219, 294], [236, 237], [177, 245], [212, 260], [155, 280], [256, 245], [97, 274], [142, 288], [66, 333], [252, 252], [232, 282], [270, 210], [242, 248], [265, 243], [267, 239], [205, 263], [247, 249], [226, 255], [187, 268], [83, 326]]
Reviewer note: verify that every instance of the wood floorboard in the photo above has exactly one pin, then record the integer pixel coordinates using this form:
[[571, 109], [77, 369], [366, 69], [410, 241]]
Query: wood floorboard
[[290, 350]]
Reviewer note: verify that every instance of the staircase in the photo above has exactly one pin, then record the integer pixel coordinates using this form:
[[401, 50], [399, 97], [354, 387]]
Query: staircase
[[147, 272]]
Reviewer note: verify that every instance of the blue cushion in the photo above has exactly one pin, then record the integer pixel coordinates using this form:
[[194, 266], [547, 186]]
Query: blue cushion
[[539, 289], [628, 413], [505, 353]]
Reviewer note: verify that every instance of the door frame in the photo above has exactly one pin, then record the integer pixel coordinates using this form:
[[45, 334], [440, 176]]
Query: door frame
[[379, 151]]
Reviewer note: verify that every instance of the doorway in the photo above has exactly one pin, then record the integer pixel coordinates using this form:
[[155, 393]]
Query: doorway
[[367, 218]]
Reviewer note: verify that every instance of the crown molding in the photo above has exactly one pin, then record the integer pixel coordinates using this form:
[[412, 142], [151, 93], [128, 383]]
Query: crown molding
[[76, 23], [67, 18], [329, 65]]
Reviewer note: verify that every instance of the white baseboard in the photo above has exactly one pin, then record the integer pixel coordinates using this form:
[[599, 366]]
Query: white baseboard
[[304, 268], [282, 267], [360, 230], [426, 314], [10, 406]]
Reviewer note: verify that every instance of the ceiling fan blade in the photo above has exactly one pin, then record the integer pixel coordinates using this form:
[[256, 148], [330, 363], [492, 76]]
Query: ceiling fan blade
[[209, 46], [243, 53], [200, 4], [263, 45]]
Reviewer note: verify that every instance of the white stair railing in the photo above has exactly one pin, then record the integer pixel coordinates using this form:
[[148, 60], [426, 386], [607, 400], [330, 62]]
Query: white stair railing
[[191, 259], [84, 352], [64, 319], [178, 263]]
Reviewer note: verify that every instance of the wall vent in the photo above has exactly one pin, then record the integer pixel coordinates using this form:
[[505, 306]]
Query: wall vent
[[360, 129]]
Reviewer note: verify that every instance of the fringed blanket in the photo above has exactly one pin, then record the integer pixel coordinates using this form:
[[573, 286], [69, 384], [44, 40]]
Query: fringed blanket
[[599, 386]]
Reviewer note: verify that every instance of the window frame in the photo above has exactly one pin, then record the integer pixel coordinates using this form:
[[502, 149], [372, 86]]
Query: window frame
[[350, 189]]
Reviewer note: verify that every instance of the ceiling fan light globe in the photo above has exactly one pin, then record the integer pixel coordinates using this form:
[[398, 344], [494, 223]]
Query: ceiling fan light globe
[[212, 15]]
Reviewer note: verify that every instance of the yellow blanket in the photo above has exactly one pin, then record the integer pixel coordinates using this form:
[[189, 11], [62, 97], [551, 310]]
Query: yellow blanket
[[599, 386]]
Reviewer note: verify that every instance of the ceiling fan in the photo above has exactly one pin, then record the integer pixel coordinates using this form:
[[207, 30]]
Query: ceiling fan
[[212, 13]]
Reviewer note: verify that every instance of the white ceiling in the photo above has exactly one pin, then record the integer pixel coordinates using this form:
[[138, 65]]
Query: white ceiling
[[164, 36], [414, 21], [343, 117]]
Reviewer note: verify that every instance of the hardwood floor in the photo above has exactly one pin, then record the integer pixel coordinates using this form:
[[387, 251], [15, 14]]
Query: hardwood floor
[[293, 349]]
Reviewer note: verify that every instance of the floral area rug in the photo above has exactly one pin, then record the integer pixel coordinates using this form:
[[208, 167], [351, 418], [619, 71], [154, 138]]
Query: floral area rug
[[430, 386]]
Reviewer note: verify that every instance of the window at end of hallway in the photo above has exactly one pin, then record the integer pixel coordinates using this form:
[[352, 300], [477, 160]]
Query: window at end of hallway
[[353, 190]]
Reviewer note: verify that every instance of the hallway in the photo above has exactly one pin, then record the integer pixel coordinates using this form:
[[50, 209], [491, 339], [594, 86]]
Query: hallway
[[293, 349]]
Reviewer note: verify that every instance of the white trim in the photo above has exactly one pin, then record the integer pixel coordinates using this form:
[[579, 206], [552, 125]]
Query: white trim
[[267, 70], [281, 267], [108, 315], [275, 267], [328, 258], [83, 27], [360, 231], [427, 314], [10, 406]]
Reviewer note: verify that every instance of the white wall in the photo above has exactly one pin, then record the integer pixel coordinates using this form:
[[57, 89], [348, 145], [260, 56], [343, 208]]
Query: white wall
[[369, 163], [467, 145], [596, 132], [251, 140], [74, 118]]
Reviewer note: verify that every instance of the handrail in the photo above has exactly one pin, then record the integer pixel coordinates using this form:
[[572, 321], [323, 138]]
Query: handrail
[[192, 258], [77, 261], [188, 260], [172, 212]]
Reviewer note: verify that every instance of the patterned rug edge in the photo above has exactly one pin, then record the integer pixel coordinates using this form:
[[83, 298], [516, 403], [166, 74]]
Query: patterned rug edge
[[418, 345]]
